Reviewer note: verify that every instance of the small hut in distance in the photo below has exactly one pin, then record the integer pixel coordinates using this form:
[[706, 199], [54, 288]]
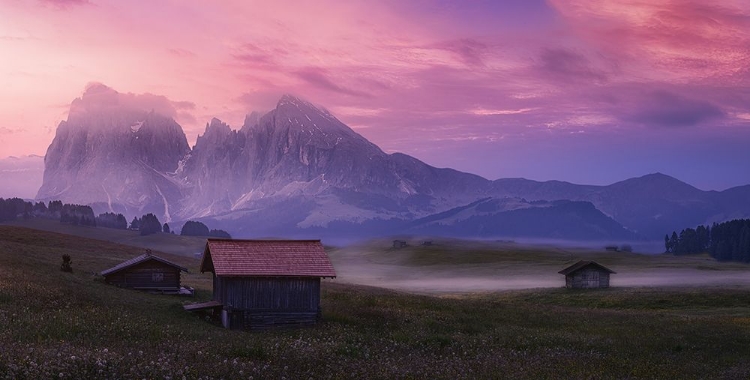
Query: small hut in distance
[[147, 272], [586, 275], [399, 244]]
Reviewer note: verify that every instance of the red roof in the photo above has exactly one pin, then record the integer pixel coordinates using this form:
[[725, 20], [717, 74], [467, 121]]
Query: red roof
[[137, 260], [583, 264], [298, 258]]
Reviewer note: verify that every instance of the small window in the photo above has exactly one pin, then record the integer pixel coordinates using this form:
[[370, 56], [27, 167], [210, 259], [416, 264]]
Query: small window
[[157, 277]]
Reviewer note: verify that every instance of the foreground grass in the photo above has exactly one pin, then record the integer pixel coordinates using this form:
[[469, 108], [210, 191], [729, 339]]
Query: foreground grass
[[54, 324]]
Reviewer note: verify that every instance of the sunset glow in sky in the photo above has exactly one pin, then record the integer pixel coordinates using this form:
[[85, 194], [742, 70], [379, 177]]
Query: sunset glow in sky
[[586, 91]]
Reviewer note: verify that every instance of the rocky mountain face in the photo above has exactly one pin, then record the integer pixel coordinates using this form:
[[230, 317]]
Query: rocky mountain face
[[299, 171], [113, 156], [298, 150]]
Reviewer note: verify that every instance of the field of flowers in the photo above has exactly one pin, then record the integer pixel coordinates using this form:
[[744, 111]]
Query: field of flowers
[[70, 326]]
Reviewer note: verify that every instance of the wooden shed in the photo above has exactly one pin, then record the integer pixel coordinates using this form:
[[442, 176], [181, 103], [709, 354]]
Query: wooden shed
[[399, 244], [146, 272], [267, 283], [587, 274]]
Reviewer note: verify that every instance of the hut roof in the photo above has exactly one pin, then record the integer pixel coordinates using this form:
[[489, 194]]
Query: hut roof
[[137, 260], [292, 258], [582, 264]]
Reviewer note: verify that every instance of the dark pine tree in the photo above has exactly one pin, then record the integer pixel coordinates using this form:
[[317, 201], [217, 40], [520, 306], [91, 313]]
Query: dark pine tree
[[220, 234], [150, 224], [194, 228], [135, 224]]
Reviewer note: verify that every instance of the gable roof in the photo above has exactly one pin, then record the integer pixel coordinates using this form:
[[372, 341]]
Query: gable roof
[[582, 264], [137, 260], [293, 258]]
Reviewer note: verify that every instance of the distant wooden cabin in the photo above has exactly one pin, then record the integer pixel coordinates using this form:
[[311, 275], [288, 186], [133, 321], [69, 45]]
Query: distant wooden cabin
[[586, 274], [146, 272], [399, 244], [612, 248], [262, 284]]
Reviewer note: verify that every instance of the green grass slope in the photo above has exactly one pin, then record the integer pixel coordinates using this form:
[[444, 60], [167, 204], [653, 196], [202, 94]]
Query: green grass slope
[[69, 326], [176, 244]]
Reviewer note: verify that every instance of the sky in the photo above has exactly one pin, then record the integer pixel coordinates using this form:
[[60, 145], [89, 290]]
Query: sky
[[585, 91]]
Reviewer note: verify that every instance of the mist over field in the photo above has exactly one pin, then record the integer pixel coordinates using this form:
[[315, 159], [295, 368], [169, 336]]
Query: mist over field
[[452, 266]]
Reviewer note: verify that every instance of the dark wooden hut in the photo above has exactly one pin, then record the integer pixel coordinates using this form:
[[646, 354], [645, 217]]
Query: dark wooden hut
[[586, 274], [146, 272], [267, 283], [399, 244]]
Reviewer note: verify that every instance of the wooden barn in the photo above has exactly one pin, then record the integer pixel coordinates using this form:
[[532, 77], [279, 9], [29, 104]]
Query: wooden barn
[[586, 274], [262, 284], [147, 272]]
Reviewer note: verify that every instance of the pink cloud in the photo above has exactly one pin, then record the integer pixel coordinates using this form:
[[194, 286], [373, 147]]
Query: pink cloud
[[64, 4], [677, 41], [98, 97]]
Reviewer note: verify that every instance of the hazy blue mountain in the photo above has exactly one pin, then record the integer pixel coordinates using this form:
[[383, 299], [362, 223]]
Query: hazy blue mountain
[[518, 218], [650, 205], [21, 176]]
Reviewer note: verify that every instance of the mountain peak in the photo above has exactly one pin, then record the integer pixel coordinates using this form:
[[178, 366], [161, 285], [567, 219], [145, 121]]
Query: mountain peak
[[288, 100]]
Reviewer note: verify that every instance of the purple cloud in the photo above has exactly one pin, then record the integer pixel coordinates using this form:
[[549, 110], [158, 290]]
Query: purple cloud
[[318, 77], [470, 51], [662, 108], [569, 66]]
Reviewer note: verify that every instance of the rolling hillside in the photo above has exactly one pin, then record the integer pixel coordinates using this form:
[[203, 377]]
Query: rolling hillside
[[70, 326]]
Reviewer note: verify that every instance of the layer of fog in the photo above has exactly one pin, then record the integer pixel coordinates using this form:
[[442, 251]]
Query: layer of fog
[[419, 281], [387, 271]]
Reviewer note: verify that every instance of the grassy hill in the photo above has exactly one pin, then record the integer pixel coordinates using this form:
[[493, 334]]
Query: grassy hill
[[176, 244], [61, 325]]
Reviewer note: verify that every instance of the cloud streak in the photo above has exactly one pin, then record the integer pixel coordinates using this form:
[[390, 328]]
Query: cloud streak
[[664, 109]]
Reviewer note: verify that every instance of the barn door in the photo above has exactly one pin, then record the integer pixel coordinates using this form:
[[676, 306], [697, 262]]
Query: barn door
[[594, 282]]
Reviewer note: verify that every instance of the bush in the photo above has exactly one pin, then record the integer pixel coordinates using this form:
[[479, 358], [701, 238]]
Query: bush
[[66, 264]]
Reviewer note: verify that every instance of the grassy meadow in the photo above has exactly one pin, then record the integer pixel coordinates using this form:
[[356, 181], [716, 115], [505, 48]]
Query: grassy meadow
[[71, 326]]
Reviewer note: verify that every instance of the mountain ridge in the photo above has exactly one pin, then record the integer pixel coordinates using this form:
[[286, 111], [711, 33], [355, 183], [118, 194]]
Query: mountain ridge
[[313, 171]]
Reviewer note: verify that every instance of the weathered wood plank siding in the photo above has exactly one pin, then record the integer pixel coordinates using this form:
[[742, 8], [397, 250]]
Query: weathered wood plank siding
[[264, 293], [254, 303], [150, 274], [587, 278]]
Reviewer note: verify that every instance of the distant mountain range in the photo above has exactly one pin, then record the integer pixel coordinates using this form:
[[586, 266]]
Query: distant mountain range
[[298, 171], [21, 176]]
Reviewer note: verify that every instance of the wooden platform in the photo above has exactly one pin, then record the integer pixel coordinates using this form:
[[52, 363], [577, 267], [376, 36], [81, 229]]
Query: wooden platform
[[181, 291], [203, 306]]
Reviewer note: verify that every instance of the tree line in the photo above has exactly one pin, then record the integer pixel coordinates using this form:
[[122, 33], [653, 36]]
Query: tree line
[[727, 241], [14, 208]]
